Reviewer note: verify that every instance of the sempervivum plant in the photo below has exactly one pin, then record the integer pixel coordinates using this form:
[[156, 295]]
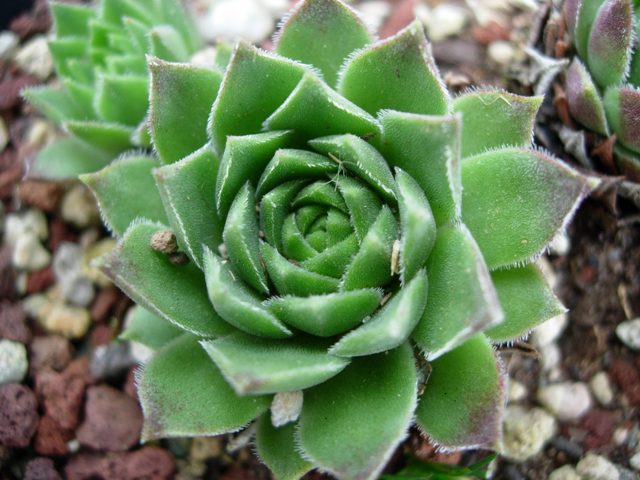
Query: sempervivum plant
[[99, 58], [329, 244], [602, 85]]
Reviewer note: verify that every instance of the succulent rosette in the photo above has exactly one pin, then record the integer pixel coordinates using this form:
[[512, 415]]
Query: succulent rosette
[[331, 245], [102, 96], [602, 84]]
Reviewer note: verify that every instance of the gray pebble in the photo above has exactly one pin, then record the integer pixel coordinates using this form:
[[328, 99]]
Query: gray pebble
[[13, 362]]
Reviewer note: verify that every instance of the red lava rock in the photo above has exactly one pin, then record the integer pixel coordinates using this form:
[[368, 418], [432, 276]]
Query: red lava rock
[[40, 280], [491, 32], [146, 463], [626, 376], [7, 274], [41, 194], [599, 425], [59, 232], [61, 394], [36, 21], [101, 335], [112, 420], [51, 438], [401, 16], [41, 469], [13, 324], [103, 304], [52, 351], [18, 415], [10, 90], [238, 473], [10, 171]]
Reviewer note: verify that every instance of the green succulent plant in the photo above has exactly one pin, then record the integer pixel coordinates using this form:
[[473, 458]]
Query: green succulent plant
[[99, 58], [331, 245], [602, 84]]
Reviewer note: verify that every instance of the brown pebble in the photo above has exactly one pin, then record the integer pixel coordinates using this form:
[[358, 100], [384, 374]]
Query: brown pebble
[[164, 241], [491, 32], [10, 90], [60, 232], [38, 20], [599, 425], [103, 304], [43, 195], [627, 377], [7, 274], [101, 335], [40, 280], [112, 420], [146, 463], [51, 351], [129, 386], [41, 469], [18, 415], [13, 322], [52, 439]]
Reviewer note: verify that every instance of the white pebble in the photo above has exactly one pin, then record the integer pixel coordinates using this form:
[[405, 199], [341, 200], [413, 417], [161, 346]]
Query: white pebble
[[32, 221], [620, 436], [596, 467], [566, 472], [526, 432], [286, 407], [501, 52], [204, 58], [446, 20], [34, 58], [8, 44], [561, 244], [629, 333], [567, 401], [233, 19], [29, 254], [13, 362], [374, 13], [4, 135], [78, 207], [601, 388], [634, 461], [550, 356], [549, 331], [517, 391]]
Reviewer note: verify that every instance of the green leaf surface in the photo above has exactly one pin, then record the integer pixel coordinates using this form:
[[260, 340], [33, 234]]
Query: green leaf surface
[[527, 301], [462, 299], [391, 325], [175, 14], [294, 245], [319, 193], [587, 13], [122, 99], [241, 239], [254, 85], [363, 204], [585, 103], [71, 20], [166, 43], [64, 49], [334, 259], [514, 201], [199, 403], [417, 226], [179, 128], [54, 103], [147, 276], [237, 304], [109, 137], [277, 449], [398, 73], [464, 397], [495, 118], [326, 315], [428, 149], [67, 158], [621, 106], [351, 424], [256, 366], [274, 208], [150, 330], [322, 33], [315, 110], [118, 189], [185, 187], [82, 96]]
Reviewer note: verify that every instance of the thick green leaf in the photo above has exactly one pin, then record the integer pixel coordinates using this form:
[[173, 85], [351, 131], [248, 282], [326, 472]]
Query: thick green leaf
[[417, 226], [109, 137], [334, 259], [186, 187], [611, 42], [495, 118], [527, 301], [241, 239], [514, 201], [277, 449], [428, 149], [244, 159], [274, 208], [175, 293], [290, 279], [357, 156], [71, 20], [67, 158], [322, 33], [236, 303], [56, 104], [256, 366], [371, 266], [122, 99], [621, 105], [397, 73], [315, 110], [150, 330], [326, 315], [118, 189], [165, 43], [391, 325], [254, 85], [464, 397], [112, 11], [183, 393], [462, 299], [587, 12], [179, 128], [585, 103], [351, 424], [319, 193], [64, 49], [363, 204], [294, 245], [175, 14]]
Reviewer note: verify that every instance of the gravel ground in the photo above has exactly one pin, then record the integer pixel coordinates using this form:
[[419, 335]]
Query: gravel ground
[[67, 402]]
